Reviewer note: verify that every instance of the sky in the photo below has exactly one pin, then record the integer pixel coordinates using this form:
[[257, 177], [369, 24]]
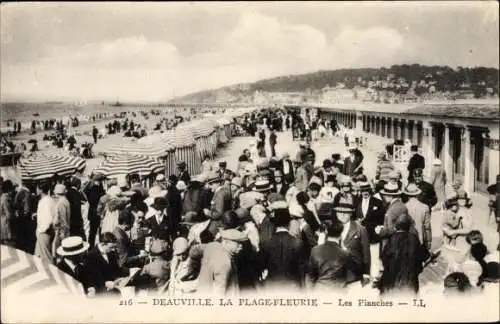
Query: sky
[[153, 51]]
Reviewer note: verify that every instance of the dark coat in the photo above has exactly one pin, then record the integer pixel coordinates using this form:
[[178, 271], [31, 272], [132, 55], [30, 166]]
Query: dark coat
[[358, 245], [330, 267], [289, 177], [351, 166], [428, 195], [193, 199], [127, 255], [417, 161], [284, 188], [282, 258], [221, 202], [79, 273], [94, 193], [158, 229], [373, 218], [266, 231], [99, 271], [273, 138], [174, 209], [402, 259], [75, 199], [184, 176]]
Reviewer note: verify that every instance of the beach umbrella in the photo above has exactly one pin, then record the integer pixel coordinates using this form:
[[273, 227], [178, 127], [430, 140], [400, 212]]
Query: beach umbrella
[[42, 166], [23, 273], [127, 164], [156, 150]]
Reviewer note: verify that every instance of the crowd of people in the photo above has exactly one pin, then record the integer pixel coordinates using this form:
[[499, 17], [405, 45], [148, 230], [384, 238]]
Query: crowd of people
[[275, 222]]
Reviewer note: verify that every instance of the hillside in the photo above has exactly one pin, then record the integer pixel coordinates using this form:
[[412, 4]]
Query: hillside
[[415, 79]]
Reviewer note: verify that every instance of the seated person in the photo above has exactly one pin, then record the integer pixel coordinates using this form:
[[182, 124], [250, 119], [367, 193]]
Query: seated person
[[128, 256], [101, 266], [155, 274]]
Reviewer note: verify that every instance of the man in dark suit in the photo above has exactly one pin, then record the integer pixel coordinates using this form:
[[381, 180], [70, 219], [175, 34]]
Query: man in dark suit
[[428, 195], [72, 252], [416, 161], [354, 239], [127, 254], [102, 266], [158, 224], [330, 267], [183, 174], [174, 208], [370, 212], [281, 254], [272, 142], [221, 200], [279, 186], [286, 167], [353, 163], [75, 199]]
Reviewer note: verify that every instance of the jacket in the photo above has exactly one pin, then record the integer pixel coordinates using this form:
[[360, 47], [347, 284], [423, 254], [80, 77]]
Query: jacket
[[99, 271], [221, 202], [417, 161], [358, 245], [373, 217], [158, 229], [289, 174], [218, 274], [282, 258], [422, 217], [428, 195], [329, 267], [125, 250], [75, 200]]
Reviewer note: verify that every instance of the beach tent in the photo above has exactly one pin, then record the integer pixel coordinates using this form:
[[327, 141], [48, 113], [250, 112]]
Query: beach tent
[[126, 164], [158, 140], [43, 166], [185, 148], [155, 150], [23, 273]]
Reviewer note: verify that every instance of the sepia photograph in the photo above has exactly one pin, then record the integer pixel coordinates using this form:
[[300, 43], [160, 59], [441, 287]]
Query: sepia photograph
[[249, 162]]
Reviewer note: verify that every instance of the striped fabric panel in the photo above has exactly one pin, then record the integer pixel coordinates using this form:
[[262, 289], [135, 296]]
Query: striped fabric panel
[[23, 273], [155, 150], [127, 164], [44, 166]]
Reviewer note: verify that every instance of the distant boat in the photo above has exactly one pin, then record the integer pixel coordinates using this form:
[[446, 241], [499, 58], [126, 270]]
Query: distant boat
[[36, 114], [117, 104]]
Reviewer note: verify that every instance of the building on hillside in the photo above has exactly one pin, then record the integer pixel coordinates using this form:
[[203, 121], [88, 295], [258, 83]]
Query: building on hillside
[[464, 136]]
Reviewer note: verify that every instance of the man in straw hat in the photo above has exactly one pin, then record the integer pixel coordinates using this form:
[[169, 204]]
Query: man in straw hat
[[391, 195], [72, 252], [218, 275], [370, 211], [282, 254], [420, 213], [354, 239], [221, 200]]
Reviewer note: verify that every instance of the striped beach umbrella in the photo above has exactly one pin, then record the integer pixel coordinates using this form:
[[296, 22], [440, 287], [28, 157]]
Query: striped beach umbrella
[[23, 273], [127, 164], [44, 166], [156, 150]]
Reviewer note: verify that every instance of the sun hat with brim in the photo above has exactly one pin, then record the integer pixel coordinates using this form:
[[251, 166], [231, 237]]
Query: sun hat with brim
[[160, 178], [391, 189], [344, 208], [72, 245], [412, 190], [437, 162], [262, 186], [59, 189], [180, 246], [157, 248], [214, 177], [233, 235], [114, 191]]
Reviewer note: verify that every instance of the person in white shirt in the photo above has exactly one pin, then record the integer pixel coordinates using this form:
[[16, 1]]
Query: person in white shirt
[[45, 215], [328, 192]]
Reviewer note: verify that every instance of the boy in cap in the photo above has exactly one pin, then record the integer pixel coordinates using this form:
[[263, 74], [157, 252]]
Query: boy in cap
[[218, 276]]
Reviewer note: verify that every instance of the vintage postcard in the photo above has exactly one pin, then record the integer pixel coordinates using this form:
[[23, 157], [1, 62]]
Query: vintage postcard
[[182, 162]]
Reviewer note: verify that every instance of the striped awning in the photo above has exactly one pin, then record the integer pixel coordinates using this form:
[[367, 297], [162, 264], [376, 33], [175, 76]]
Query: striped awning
[[125, 164], [23, 273], [197, 128], [44, 166], [156, 150], [157, 141], [180, 137]]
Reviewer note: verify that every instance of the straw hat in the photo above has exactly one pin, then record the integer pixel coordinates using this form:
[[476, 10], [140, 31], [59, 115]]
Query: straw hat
[[344, 208], [262, 186], [72, 245], [412, 190], [391, 189]]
